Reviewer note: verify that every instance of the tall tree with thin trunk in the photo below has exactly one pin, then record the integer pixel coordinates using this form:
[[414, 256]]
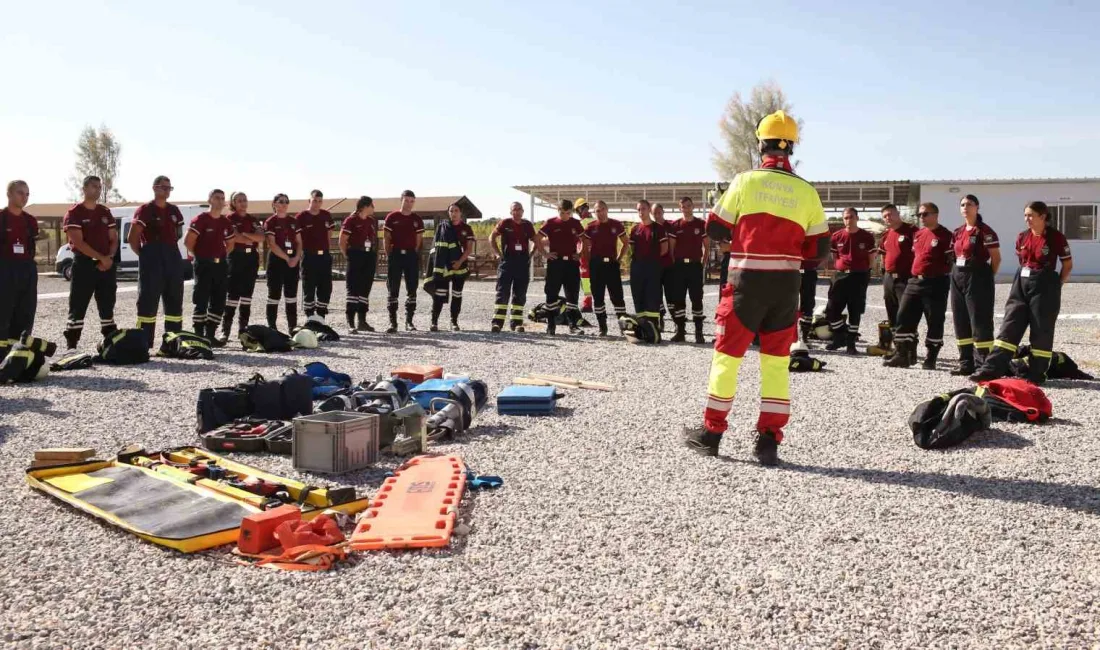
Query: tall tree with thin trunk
[[740, 150], [97, 154]]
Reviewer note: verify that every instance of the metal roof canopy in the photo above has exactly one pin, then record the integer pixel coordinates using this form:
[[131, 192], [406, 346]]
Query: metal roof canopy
[[623, 197]]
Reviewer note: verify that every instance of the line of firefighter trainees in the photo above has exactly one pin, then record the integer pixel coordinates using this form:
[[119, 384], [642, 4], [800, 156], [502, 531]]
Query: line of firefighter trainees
[[770, 225]]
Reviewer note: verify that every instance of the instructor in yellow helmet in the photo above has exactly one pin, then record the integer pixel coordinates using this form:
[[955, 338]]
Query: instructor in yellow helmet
[[775, 221]]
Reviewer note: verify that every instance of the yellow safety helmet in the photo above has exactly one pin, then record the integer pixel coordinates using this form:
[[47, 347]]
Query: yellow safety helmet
[[778, 126], [579, 203]]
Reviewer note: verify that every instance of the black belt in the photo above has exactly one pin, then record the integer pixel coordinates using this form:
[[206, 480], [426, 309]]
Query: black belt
[[927, 277], [315, 252], [216, 260], [899, 276], [402, 251]]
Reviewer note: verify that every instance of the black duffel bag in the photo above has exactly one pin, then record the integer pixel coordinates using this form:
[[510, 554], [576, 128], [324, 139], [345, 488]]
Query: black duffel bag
[[282, 399]]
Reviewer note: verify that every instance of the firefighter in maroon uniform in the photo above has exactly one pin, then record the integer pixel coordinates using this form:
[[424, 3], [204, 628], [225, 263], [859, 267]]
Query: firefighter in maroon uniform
[[404, 235], [284, 260], [668, 268], [649, 246], [925, 292], [18, 273], [93, 238], [897, 250], [315, 226], [775, 220], [603, 235], [852, 247], [689, 250], [206, 238], [977, 258], [807, 298], [1034, 300], [243, 264], [359, 244], [512, 241], [154, 236], [558, 239]]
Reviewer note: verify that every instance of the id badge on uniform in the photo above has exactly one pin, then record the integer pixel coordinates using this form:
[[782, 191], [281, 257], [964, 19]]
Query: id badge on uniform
[[248, 250], [366, 246], [519, 247], [1025, 272], [17, 248], [960, 261]]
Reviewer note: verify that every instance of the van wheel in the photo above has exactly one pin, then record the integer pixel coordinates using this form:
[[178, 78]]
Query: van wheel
[[67, 270]]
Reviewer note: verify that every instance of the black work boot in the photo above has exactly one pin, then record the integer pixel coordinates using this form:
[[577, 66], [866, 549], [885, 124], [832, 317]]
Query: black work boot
[[766, 449], [839, 340], [932, 352], [273, 316], [904, 355], [454, 326], [245, 315], [409, 311], [804, 328], [681, 331], [351, 320], [699, 332], [852, 338], [601, 321], [212, 335], [363, 325], [966, 362], [437, 309], [72, 337], [227, 321], [392, 329], [701, 441], [291, 317], [551, 325]]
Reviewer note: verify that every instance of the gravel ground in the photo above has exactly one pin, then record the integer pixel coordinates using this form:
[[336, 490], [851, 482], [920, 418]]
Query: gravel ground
[[607, 533]]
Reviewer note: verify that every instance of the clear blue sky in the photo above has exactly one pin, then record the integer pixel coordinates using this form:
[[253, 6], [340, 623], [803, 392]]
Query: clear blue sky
[[472, 98]]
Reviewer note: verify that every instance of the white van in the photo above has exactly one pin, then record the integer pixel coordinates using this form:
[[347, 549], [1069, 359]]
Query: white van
[[125, 217]]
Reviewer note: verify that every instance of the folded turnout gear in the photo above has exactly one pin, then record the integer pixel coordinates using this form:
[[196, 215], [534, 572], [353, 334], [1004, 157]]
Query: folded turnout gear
[[1061, 365], [185, 345], [947, 420], [1015, 400], [26, 360], [77, 361], [261, 338], [540, 314], [801, 361], [639, 331], [124, 347], [317, 326]]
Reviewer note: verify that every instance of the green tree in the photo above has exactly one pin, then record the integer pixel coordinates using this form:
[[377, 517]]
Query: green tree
[[740, 151], [98, 153]]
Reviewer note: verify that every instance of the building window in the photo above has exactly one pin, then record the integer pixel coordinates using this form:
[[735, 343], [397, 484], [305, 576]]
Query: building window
[[1077, 222]]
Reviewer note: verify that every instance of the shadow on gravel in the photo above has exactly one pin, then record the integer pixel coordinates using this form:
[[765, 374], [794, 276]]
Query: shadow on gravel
[[257, 359], [97, 383], [182, 367], [24, 404], [489, 431], [1079, 498], [994, 439], [1071, 383], [1064, 422], [5, 431]]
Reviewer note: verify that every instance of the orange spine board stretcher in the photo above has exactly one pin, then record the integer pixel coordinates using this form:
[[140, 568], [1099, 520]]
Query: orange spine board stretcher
[[415, 508]]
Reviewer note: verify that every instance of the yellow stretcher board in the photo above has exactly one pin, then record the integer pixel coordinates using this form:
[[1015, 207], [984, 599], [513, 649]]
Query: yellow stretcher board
[[160, 507]]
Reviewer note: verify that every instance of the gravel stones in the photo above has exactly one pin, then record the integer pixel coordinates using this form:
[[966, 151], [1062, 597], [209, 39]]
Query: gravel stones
[[607, 533]]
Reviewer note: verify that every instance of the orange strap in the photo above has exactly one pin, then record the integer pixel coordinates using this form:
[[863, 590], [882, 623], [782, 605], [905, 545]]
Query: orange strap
[[310, 557]]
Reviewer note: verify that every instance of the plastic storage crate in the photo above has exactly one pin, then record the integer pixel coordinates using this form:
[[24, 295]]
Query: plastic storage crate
[[335, 442]]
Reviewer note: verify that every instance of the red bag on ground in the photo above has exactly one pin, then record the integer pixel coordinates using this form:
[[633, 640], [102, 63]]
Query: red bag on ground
[[321, 531], [1028, 398]]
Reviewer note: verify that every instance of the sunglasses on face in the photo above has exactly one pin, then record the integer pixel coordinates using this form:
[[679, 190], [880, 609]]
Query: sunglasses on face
[[165, 188]]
